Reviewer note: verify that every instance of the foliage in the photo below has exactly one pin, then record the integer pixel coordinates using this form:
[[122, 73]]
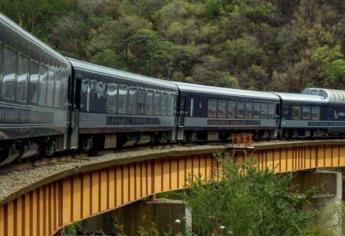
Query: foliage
[[251, 44], [246, 201]]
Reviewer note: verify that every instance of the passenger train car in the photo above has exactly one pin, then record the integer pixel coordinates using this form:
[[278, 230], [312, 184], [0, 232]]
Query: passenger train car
[[212, 113], [49, 103], [33, 95], [116, 108]]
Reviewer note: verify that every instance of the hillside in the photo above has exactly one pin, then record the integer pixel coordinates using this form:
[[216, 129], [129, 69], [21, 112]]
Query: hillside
[[251, 44]]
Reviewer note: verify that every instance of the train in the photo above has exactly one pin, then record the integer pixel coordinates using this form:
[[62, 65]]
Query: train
[[50, 104]]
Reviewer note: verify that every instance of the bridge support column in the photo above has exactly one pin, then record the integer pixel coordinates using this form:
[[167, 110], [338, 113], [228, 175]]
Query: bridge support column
[[328, 200], [164, 215]]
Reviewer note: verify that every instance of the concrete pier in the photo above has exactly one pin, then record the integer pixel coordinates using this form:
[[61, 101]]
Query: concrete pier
[[328, 186]]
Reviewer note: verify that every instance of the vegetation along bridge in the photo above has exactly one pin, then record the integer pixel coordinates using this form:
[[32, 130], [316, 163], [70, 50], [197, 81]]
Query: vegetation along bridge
[[40, 200]]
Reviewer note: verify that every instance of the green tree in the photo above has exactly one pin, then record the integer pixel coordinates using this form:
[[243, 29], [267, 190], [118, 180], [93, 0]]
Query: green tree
[[246, 201]]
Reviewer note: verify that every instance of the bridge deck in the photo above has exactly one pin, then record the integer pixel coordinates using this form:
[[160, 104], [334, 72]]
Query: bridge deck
[[40, 199]]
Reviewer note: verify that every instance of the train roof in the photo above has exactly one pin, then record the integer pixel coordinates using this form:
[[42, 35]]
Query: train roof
[[197, 88], [15, 36], [332, 95], [297, 97], [90, 67]]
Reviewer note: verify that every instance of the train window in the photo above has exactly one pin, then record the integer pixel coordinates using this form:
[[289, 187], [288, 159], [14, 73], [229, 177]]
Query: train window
[[212, 108], [122, 100], [148, 102], [50, 88], [132, 101], [34, 73], [256, 111], [22, 80], [111, 98], [240, 110], [164, 104], [296, 112], [264, 110], [231, 109], [249, 110], [221, 112], [172, 104], [85, 91], [42, 95], [315, 113], [156, 103], [306, 113], [271, 110], [58, 96], [9, 74], [141, 102]]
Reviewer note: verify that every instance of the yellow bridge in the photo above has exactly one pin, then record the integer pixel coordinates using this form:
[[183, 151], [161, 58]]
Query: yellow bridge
[[78, 188]]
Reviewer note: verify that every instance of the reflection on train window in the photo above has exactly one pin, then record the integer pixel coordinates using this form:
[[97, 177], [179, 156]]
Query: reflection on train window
[[249, 110], [132, 101], [111, 98], [122, 100], [240, 110], [50, 88], [58, 96], [164, 104], [306, 113], [22, 80], [156, 104], [221, 108], [231, 110], [148, 102], [212, 108], [256, 112], [42, 95], [271, 111], [84, 95], [264, 110], [141, 102], [296, 112], [9, 74], [315, 113], [33, 91]]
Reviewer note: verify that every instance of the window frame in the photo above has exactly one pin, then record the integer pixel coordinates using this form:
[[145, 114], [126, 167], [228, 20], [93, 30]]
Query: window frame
[[39, 82], [51, 72], [242, 116], [228, 102], [26, 80], [15, 76], [122, 87], [154, 111], [116, 97], [224, 103], [146, 102], [31, 61], [308, 112], [292, 112], [248, 113], [312, 112], [215, 103]]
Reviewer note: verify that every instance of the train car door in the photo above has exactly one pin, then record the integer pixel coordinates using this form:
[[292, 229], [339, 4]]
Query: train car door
[[181, 114], [75, 115]]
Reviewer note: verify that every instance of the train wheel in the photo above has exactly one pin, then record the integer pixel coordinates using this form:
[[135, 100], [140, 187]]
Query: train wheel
[[11, 153]]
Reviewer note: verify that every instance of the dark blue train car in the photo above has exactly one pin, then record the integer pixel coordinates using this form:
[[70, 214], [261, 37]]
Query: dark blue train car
[[116, 108], [332, 115], [213, 113], [33, 95], [302, 115]]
